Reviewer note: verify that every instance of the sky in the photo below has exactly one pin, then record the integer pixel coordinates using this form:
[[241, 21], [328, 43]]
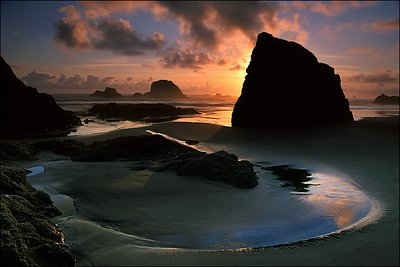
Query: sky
[[203, 47]]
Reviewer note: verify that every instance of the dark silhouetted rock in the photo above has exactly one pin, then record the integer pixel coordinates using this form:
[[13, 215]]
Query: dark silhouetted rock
[[107, 93], [13, 150], [141, 147], [28, 236], [140, 112], [137, 95], [386, 100], [286, 87], [27, 113], [224, 167], [162, 89]]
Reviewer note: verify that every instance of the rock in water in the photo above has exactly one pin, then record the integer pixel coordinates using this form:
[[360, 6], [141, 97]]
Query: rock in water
[[223, 167], [164, 89], [286, 87], [27, 113], [386, 100], [107, 93]]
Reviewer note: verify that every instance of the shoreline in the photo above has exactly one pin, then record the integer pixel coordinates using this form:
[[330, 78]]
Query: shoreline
[[284, 148]]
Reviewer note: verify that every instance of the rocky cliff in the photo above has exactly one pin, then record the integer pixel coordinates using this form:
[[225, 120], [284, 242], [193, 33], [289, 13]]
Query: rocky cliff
[[27, 113]]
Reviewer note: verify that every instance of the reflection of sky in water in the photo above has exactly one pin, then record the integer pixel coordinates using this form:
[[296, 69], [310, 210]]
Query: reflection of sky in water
[[35, 170], [331, 205]]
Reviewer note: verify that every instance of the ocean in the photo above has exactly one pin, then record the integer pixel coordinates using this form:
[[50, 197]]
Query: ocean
[[213, 110]]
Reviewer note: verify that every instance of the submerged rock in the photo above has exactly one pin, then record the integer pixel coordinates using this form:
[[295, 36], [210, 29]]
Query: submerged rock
[[27, 113], [162, 89], [286, 87], [107, 93], [28, 236], [141, 112], [224, 167], [386, 100]]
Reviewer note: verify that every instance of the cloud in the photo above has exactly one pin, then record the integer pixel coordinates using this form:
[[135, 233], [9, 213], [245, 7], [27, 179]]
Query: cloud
[[79, 83], [186, 58], [116, 35], [38, 78], [378, 26], [71, 31], [368, 51], [331, 8], [237, 67], [378, 78], [119, 36]]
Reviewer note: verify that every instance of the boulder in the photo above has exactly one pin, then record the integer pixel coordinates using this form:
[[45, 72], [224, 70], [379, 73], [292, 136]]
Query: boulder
[[107, 93], [386, 100], [28, 235], [162, 89], [27, 113], [286, 87], [223, 167], [140, 112]]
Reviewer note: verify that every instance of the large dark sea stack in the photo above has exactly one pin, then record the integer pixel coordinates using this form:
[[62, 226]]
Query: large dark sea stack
[[286, 87], [164, 89], [27, 113]]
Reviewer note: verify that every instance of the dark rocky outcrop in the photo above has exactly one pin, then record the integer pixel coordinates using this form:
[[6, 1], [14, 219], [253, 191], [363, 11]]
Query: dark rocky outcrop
[[13, 150], [140, 147], [140, 112], [286, 87], [157, 153], [107, 93], [386, 100], [28, 236], [27, 113], [162, 89], [224, 167]]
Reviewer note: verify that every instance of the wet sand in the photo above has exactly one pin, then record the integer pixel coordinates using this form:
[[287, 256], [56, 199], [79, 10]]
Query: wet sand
[[129, 217]]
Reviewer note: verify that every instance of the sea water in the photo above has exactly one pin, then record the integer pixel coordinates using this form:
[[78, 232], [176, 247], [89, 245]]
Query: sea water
[[212, 110]]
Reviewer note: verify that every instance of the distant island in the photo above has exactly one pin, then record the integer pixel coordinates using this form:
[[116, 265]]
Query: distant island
[[386, 100], [107, 93], [162, 89]]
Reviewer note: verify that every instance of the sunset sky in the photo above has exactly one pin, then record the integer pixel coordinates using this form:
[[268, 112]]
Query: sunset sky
[[204, 47]]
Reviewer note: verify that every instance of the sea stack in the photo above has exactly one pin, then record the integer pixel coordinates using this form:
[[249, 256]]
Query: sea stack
[[162, 89], [27, 113], [286, 87], [107, 93]]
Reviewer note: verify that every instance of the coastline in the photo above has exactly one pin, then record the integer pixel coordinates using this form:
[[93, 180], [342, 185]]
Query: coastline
[[358, 152]]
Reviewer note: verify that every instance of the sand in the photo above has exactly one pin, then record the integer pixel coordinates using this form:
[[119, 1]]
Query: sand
[[129, 217]]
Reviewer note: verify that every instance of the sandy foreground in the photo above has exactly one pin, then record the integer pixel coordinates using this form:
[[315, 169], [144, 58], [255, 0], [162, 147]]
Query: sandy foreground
[[127, 217]]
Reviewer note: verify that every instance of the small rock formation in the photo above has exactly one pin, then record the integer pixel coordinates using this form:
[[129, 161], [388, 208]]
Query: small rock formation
[[28, 236], [107, 93], [157, 153], [162, 89], [140, 112], [286, 87], [13, 150], [386, 100], [224, 167], [27, 113]]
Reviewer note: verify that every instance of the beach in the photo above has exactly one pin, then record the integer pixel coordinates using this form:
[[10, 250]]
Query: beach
[[146, 217]]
